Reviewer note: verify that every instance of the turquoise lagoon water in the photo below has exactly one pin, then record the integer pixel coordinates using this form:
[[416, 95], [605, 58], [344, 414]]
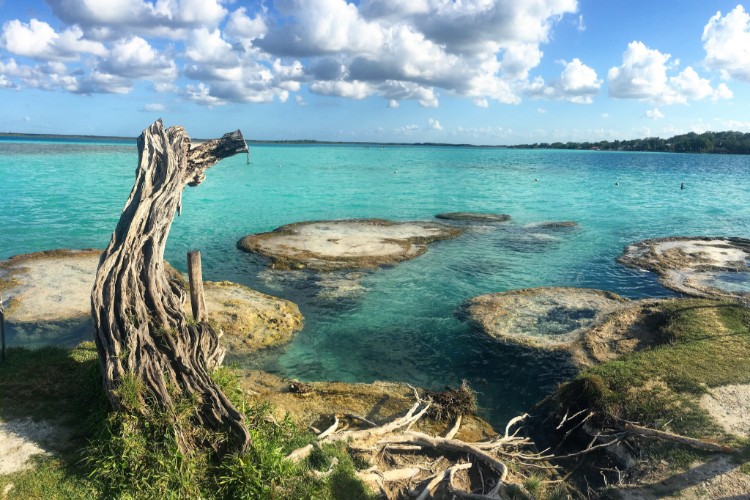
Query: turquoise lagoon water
[[400, 323]]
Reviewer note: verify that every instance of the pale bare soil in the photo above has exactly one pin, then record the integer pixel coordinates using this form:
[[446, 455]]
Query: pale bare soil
[[21, 439]]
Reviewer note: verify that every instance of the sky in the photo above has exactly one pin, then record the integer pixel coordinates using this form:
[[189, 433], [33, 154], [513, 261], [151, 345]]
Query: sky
[[493, 72]]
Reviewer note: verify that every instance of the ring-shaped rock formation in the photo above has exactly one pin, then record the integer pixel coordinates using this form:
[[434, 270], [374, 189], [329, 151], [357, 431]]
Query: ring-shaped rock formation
[[711, 267], [550, 318]]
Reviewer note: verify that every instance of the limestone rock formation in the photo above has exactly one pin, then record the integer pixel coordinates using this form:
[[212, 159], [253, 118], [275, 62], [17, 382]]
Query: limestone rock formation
[[345, 244]]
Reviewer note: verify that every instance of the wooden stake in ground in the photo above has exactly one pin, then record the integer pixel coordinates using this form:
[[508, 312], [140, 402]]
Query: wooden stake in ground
[[195, 276], [141, 333]]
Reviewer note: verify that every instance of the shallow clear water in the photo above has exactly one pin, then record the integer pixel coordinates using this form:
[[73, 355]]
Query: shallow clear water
[[401, 325]]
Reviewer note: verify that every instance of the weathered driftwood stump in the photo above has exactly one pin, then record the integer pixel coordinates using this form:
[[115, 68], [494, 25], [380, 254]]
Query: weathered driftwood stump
[[142, 334]]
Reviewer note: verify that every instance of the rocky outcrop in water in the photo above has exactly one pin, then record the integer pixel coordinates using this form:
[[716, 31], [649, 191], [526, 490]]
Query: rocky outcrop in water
[[47, 302], [698, 266], [473, 217], [553, 224], [543, 318], [252, 320], [345, 244]]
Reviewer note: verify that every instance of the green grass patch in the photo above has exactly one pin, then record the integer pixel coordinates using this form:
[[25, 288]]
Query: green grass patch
[[704, 344], [119, 455]]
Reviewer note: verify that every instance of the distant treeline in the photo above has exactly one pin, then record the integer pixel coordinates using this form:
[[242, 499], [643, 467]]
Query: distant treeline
[[707, 142]]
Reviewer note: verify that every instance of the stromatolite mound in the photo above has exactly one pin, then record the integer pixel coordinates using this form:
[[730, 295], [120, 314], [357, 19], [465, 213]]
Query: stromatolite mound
[[544, 318], [473, 217], [698, 266], [250, 319], [345, 244], [561, 224], [47, 299]]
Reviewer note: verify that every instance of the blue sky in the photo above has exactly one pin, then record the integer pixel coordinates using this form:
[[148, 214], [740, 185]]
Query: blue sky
[[470, 71]]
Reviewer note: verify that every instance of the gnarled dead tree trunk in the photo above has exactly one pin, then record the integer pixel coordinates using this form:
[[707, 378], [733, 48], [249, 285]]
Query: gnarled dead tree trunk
[[142, 334]]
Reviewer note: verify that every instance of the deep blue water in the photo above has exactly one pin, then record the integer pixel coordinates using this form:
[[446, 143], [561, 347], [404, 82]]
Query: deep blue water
[[401, 325]]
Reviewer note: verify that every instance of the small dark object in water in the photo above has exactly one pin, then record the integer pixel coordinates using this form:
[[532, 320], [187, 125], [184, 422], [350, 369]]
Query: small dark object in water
[[451, 403], [617, 183], [682, 186]]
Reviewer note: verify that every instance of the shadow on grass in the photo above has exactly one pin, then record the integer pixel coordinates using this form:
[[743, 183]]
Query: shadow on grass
[[57, 391]]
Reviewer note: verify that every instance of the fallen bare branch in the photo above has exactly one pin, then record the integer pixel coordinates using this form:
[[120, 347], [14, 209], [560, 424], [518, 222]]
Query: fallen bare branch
[[454, 430], [446, 474], [514, 421], [300, 454], [373, 475], [695, 443], [361, 419], [412, 437], [330, 430]]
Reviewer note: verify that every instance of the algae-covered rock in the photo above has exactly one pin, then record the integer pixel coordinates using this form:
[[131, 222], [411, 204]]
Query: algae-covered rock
[[544, 318], [251, 320], [345, 244], [473, 217], [700, 266]]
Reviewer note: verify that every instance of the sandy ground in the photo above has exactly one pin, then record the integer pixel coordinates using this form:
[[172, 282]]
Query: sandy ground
[[719, 478], [546, 318], [345, 244], [21, 439], [729, 405]]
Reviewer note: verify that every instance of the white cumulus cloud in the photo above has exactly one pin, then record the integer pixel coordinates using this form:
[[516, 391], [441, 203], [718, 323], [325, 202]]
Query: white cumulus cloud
[[38, 40], [434, 124], [726, 40], [654, 114], [578, 83], [110, 19], [643, 75]]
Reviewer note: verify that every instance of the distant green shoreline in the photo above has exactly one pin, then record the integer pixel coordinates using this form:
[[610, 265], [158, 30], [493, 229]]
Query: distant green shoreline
[[17, 135], [728, 142]]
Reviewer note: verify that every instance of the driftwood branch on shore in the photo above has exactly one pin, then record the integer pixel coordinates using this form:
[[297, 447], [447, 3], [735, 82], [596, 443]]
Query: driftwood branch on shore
[[422, 474], [142, 334], [676, 438]]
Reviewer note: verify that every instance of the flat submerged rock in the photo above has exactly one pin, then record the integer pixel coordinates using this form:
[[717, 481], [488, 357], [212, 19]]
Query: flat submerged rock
[[711, 267], [47, 299], [473, 217], [545, 318], [345, 244]]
